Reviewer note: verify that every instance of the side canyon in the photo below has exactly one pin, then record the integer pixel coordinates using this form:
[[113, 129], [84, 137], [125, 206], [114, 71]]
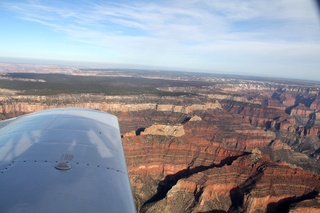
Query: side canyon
[[229, 145]]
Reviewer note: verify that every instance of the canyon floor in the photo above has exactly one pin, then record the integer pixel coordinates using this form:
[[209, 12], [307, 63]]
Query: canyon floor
[[194, 142]]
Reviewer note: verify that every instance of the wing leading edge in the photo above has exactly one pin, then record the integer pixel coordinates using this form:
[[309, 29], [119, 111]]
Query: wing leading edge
[[63, 160]]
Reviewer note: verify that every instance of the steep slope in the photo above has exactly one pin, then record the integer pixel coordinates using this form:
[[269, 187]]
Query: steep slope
[[227, 147]]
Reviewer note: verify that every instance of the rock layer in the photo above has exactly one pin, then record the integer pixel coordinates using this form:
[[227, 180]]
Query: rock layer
[[228, 147]]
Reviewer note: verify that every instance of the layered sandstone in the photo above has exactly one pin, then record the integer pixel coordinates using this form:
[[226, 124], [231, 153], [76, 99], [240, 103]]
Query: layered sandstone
[[165, 130], [248, 184], [237, 147], [301, 110], [24, 107], [306, 206]]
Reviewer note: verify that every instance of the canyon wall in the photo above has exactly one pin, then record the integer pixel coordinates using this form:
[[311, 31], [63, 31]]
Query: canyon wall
[[245, 148]]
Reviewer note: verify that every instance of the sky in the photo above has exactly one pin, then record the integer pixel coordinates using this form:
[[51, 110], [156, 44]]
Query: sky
[[279, 38]]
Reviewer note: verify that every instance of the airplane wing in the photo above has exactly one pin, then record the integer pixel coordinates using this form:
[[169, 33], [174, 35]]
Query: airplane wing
[[63, 160]]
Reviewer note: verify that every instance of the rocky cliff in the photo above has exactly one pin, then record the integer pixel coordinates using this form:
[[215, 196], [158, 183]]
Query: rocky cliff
[[249, 147], [199, 171]]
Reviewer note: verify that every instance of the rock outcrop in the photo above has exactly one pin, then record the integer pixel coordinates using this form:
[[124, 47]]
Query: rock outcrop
[[164, 130], [251, 146]]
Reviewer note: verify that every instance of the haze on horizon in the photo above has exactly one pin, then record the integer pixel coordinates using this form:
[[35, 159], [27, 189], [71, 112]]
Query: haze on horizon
[[279, 38]]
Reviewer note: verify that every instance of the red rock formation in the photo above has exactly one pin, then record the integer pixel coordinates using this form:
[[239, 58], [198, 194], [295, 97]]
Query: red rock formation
[[251, 183], [197, 170], [255, 114], [306, 206], [289, 99], [165, 130], [301, 110], [151, 158], [313, 131], [193, 155], [316, 104]]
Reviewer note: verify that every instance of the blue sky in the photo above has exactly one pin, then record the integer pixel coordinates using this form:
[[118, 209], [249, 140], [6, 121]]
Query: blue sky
[[254, 37]]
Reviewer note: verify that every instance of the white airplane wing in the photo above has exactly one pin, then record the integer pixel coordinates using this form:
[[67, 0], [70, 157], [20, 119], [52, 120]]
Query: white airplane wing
[[63, 160]]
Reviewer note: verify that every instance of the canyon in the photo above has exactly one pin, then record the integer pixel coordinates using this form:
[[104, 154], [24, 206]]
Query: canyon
[[220, 144]]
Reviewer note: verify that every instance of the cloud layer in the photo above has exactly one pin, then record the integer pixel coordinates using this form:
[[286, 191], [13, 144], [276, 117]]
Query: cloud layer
[[218, 35]]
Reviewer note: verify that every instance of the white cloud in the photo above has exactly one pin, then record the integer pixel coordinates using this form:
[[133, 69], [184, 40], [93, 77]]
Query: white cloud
[[194, 20], [189, 33]]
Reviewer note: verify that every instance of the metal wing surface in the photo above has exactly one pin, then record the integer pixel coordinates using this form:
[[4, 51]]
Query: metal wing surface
[[63, 160]]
